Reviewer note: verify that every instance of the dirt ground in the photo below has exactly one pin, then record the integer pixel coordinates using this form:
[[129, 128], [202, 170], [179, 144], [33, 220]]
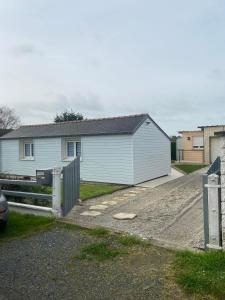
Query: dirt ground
[[46, 266]]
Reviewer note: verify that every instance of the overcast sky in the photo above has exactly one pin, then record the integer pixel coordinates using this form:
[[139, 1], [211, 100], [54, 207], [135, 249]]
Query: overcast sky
[[114, 57]]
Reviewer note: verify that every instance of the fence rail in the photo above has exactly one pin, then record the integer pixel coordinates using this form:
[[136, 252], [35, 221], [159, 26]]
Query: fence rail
[[65, 190], [18, 182], [27, 195]]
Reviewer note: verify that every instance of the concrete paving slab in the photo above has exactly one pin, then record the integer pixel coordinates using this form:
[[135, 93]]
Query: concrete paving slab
[[98, 207], [109, 202], [158, 181], [124, 216], [91, 213]]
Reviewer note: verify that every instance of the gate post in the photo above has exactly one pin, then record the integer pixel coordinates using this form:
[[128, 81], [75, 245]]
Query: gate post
[[214, 212], [222, 181], [205, 210], [56, 192]]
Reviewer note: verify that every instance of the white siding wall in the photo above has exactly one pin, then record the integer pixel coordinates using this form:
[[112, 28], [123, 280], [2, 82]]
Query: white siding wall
[[151, 153], [104, 158], [107, 159], [47, 155]]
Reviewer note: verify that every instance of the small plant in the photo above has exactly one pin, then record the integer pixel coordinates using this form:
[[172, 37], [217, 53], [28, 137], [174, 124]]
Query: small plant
[[98, 232], [100, 251], [129, 240]]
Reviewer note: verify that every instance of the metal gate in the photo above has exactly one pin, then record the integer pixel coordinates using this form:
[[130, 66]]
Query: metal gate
[[215, 168], [71, 185]]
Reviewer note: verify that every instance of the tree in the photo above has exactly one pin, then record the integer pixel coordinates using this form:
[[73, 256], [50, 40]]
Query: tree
[[8, 118], [68, 116]]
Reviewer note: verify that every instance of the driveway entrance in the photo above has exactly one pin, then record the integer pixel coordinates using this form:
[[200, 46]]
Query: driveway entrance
[[170, 213]]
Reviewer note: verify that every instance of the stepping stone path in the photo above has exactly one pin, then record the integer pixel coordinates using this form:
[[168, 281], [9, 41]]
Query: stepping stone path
[[120, 198], [109, 202], [91, 213], [98, 206], [124, 216], [134, 192]]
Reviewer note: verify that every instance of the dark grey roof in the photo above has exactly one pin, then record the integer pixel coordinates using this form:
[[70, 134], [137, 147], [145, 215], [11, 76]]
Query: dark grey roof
[[4, 131], [116, 125]]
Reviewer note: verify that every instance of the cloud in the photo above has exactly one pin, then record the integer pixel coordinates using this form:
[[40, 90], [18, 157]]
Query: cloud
[[42, 109], [217, 74], [24, 50]]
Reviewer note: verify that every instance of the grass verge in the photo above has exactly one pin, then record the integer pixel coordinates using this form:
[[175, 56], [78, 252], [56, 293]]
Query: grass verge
[[99, 232], [129, 241], [201, 273], [22, 225], [189, 168], [91, 190]]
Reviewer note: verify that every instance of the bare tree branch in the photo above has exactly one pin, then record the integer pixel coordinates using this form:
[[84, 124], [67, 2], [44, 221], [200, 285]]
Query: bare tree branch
[[8, 118]]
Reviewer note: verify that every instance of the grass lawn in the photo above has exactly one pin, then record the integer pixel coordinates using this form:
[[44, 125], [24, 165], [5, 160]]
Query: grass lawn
[[22, 225], [91, 190], [189, 168], [201, 273]]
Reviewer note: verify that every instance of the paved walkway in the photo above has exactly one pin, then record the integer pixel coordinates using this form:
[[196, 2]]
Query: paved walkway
[[170, 213], [158, 181]]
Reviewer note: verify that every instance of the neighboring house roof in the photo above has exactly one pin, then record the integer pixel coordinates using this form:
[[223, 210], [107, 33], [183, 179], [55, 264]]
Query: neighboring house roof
[[4, 131], [188, 131], [207, 126], [105, 126]]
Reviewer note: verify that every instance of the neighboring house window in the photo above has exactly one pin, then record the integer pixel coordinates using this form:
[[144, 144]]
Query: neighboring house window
[[198, 142], [73, 149]]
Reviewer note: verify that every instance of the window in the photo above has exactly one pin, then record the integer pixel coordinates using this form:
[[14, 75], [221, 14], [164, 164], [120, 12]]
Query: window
[[73, 149], [198, 142], [28, 150], [78, 149], [70, 149]]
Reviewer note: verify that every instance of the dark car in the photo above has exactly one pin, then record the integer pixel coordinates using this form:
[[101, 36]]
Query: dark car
[[3, 211]]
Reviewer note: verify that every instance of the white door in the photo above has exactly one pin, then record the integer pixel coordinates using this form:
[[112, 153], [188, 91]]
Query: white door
[[215, 147]]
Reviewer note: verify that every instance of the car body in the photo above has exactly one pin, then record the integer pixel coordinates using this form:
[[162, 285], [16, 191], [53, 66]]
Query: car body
[[4, 211]]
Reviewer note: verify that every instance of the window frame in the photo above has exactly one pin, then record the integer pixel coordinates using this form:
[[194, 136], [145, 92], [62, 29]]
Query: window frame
[[75, 149]]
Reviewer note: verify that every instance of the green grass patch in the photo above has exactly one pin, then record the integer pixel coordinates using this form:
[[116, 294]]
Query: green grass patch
[[69, 226], [189, 168], [201, 273], [98, 232], [20, 225], [129, 241], [99, 251], [91, 190]]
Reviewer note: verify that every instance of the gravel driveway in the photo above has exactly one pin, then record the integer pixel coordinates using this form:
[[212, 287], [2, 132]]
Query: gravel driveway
[[44, 266], [170, 213]]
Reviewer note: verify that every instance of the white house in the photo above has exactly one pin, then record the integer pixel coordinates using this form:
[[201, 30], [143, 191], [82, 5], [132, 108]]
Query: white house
[[125, 150]]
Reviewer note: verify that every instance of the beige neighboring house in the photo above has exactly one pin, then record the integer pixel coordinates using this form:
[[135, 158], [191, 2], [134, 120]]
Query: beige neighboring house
[[200, 145]]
